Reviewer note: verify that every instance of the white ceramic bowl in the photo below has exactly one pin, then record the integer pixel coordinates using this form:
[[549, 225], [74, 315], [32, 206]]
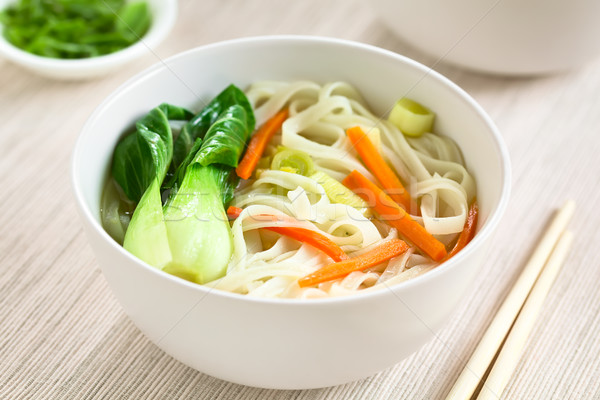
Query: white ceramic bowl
[[289, 344], [164, 14], [513, 37]]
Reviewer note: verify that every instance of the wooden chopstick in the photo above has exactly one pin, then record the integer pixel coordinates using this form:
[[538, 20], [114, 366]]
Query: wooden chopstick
[[515, 341], [492, 339]]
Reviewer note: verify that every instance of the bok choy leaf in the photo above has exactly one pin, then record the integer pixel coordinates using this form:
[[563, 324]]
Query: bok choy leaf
[[199, 125], [146, 153], [224, 142]]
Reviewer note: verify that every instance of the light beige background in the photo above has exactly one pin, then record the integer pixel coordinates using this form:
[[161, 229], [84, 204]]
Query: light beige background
[[64, 336]]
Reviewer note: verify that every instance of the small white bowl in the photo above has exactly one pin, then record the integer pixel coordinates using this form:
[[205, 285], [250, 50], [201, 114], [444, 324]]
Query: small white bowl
[[164, 14], [287, 343], [508, 37]]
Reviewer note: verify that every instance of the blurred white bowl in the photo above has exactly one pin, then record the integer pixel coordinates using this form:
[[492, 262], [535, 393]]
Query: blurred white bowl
[[281, 343], [511, 37], [164, 14]]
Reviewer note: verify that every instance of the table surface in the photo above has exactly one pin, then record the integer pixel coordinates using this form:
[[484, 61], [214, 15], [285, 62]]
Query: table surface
[[64, 336]]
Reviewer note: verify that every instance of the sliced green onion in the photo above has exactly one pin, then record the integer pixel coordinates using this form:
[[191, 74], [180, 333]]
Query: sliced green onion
[[412, 118], [291, 160], [340, 194]]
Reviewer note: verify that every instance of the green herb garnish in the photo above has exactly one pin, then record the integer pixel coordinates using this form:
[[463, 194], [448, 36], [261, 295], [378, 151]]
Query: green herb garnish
[[74, 28]]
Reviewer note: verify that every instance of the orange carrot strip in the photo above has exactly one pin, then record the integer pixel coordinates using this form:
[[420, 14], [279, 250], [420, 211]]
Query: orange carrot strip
[[312, 238], [378, 167], [381, 253], [233, 212], [394, 215], [468, 231], [258, 143]]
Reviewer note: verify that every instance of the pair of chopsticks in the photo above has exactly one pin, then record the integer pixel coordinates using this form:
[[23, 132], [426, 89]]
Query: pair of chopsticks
[[519, 310]]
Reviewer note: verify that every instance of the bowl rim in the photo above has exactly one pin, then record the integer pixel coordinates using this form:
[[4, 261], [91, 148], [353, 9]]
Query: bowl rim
[[162, 23], [487, 230]]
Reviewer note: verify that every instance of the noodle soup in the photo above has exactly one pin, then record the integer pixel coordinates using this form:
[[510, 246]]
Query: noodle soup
[[324, 199]]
